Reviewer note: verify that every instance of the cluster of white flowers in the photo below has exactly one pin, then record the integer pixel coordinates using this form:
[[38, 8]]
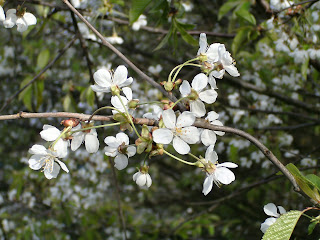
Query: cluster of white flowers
[[18, 17], [174, 128]]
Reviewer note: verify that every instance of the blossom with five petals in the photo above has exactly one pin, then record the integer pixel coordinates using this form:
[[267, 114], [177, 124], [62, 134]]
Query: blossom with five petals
[[50, 134], [20, 18], [197, 95], [271, 210], [106, 82], [115, 101], [180, 130], [216, 173], [119, 148], [46, 159]]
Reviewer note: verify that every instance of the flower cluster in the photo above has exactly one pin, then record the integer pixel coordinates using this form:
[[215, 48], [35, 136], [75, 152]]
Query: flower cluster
[[174, 128], [18, 17]]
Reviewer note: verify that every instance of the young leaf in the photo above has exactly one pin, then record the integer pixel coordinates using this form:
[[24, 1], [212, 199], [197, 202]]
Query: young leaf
[[282, 229], [26, 94], [186, 36], [246, 15], [314, 179], [239, 39], [225, 8], [137, 9], [43, 58], [166, 38]]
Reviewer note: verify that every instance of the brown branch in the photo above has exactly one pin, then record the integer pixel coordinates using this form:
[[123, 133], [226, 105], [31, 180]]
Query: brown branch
[[124, 58], [49, 65]]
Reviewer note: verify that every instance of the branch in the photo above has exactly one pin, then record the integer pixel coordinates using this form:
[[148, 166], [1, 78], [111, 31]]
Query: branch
[[124, 58], [49, 65]]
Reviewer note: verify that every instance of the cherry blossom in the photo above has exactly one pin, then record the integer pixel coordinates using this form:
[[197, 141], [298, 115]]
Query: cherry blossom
[[46, 159], [142, 177], [115, 101], [20, 18], [51, 133], [90, 138], [197, 94], [142, 21], [271, 210], [107, 82], [179, 130], [119, 148], [217, 173]]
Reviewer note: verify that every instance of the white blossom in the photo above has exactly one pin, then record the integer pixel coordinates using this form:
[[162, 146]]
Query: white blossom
[[89, 137], [51, 133], [46, 159], [141, 21], [142, 178], [179, 130], [119, 148], [22, 21], [114, 39], [115, 101], [105, 81], [199, 82], [208, 137], [271, 210], [2, 16], [216, 173]]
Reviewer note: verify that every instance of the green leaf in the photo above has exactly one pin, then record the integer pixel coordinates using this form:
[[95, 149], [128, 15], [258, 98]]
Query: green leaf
[[225, 8], [186, 36], [239, 39], [26, 94], [137, 9], [311, 227], [43, 58], [69, 103], [314, 179], [305, 184], [243, 12], [282, 229], [39, 87], [304, 69], [166, 38]]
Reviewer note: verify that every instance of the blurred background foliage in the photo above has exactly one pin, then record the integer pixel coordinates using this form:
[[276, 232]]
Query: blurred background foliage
[[276, 99]]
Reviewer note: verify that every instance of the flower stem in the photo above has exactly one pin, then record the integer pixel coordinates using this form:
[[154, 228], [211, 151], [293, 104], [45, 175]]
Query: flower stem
[[177, 102], [61, 134], [128, 116], [98, 126], [179, 159], [178, 68], [154, 102], [99, 109]]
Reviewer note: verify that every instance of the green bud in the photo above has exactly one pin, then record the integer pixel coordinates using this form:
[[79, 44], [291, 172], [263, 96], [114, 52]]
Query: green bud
[[115, 91], [168, 86], [133, 104]]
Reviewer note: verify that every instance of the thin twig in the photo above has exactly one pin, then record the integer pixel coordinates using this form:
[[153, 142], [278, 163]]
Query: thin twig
[[49, 65]]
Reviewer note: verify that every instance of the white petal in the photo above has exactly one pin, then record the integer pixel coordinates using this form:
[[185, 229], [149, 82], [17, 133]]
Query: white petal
[[76, 141], [199, 82], [212, 52], [149, 180], [232, 70], [102, 78], [141, 180], [61, 147], [121, 161], [208, 137], [281, 210], [228, 165], [190, 135], [267, 223], [110, 151], [97, 88], [120, 75], [127, 92], [126, 83], [38, 149], [162, 135], [218, 74], [49, 133], [122, 138], [36, 162], [198, 108], [180, 146], [112, 141], [218, 123], [29, 18], [185, 88], [117, 103], [212, 81], [185, 119], [91, 142], [2, 16], [62, 165], [211, 155], [136, 175], [207, 184], [203, 44], [131, 151], [54, 173], [169, 118], [224, 175], [212, 116], [208, 96], [11, 18], [271, 210]]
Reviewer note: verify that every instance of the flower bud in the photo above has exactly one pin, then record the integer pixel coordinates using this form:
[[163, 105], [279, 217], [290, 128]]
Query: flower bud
[[168, 86], [133, 104], [115, 91], [72, 122]]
